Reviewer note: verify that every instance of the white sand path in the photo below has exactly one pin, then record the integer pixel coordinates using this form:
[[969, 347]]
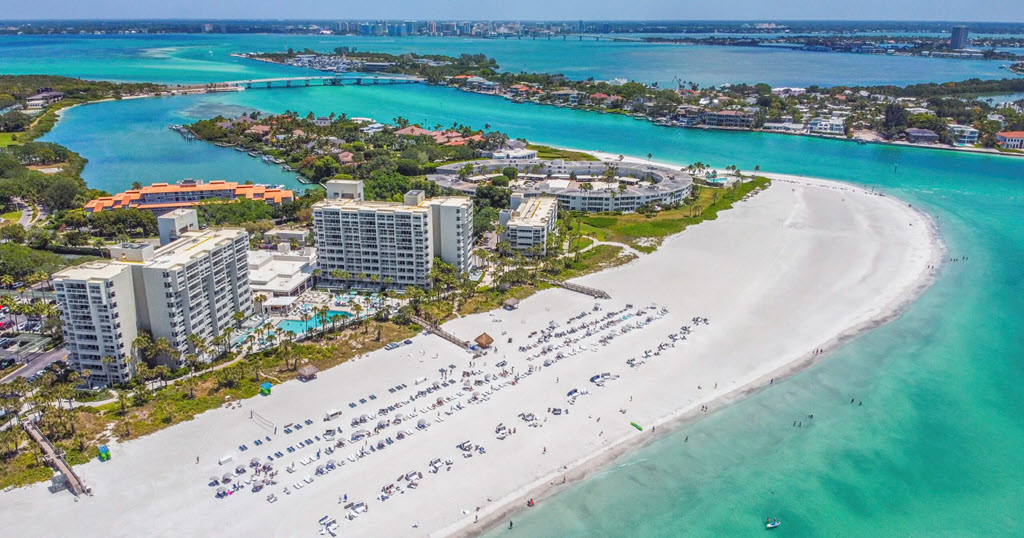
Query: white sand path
[[801, 266]]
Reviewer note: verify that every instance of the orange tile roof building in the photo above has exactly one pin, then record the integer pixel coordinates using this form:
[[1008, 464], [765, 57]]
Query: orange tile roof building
[[164, 197]]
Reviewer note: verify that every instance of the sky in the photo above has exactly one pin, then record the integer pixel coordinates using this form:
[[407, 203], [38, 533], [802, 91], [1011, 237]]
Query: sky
[[942, 10]]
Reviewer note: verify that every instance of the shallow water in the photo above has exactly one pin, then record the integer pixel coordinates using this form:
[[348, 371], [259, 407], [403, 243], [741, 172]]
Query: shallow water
[[205, 58]]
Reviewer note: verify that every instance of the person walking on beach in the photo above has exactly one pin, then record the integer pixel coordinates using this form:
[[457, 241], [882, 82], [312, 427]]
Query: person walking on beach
[[197, 460], [510, 524]]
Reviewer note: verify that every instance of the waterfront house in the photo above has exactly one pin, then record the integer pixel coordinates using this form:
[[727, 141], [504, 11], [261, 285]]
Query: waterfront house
[[921, 136], [734, 119], [963, 135], [566, 96], [1011, 139], [42, 98], [997, 117], [322, 121], [833, 126], [784, 127]]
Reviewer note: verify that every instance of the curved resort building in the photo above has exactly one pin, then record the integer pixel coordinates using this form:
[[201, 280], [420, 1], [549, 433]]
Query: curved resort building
[[162, 198], [579, 185]]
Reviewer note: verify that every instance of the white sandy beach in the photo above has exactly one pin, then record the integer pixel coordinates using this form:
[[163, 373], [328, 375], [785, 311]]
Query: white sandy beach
[[802, 266]]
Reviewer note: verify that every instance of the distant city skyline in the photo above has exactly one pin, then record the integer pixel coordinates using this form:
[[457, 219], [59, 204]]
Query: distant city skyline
[[680, 10]]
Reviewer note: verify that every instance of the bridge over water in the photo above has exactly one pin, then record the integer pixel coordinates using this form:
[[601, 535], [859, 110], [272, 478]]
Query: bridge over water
[[339, 79]]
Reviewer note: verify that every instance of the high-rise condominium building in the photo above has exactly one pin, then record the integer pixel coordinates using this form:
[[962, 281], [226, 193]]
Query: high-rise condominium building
[[371, 243], [195, 285], [958, 38]]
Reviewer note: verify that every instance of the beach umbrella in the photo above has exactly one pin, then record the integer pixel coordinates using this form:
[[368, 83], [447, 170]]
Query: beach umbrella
[[222, 490], [226, 477], [214, 479], [319, 468], [332, 463], [400, 416], [422, 423], [254, 461]]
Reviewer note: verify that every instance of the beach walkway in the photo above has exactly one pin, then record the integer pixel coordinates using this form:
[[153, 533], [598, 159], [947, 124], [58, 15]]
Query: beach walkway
[[51, 456], [585, 290], [442, 333]]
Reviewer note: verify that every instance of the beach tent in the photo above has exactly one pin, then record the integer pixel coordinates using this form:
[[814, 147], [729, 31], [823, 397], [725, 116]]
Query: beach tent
[[573, 392], [595, 378], [265, 388], [104, 453], [308, 372], [484, 340]]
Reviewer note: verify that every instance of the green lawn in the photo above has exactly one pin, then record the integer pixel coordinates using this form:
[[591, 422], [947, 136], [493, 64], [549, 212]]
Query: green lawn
[[549, 153], [645, 233], [13, 216], [7, 139]]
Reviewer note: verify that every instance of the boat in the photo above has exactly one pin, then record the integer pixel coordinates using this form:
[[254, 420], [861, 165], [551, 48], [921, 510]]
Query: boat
[[772, 524], [239, 148]]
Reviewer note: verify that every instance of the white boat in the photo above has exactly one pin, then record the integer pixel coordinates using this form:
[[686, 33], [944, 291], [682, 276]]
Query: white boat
[[774, 523]]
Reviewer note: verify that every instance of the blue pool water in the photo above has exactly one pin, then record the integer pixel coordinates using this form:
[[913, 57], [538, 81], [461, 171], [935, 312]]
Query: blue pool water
[[298, 326]]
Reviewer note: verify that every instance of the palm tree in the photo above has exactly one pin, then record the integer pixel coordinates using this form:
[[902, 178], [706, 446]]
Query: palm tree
[[107, 361], [7, 281], [259, 299], [122, 400]]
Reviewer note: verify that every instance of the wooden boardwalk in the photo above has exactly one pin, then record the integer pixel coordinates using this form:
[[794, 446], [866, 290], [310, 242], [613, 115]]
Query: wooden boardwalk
[[54, 458], [442, 333], [585, 290]]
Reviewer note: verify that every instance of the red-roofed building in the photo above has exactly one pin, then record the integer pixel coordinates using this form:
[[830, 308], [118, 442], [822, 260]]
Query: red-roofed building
[[1011, 139], [258, 129], [414, 130], [163, 197]]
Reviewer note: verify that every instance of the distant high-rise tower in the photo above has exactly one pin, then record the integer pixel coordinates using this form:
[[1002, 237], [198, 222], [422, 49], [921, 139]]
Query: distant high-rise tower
[[958, 38], [580, 28]]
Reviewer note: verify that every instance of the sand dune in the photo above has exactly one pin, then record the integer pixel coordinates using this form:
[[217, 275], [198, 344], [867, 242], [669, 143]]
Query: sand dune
[[801, 266]]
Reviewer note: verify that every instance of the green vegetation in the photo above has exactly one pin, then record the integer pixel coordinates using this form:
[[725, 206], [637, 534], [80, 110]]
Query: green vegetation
[[596, 259], [8, 139], [645, 231], [11, 216], [549, 153]]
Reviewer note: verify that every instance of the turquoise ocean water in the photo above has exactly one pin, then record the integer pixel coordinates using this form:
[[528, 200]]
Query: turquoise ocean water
[[935, 449], [203, 58]]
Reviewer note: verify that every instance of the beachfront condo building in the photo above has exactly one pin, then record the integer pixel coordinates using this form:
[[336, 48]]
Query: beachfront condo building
[[529, 222], [97, 304], [194, 285], [369, 243], [161, 198]]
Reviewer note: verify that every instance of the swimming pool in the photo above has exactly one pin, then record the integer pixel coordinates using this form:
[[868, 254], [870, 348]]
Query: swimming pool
[[298, 326]]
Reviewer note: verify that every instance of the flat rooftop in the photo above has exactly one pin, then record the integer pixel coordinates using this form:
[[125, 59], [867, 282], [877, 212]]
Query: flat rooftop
[[190, 246], [98, 270]]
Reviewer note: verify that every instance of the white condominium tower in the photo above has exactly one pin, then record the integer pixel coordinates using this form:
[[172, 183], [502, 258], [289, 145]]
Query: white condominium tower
[[389, 243], [97, 305], [194, 285]]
